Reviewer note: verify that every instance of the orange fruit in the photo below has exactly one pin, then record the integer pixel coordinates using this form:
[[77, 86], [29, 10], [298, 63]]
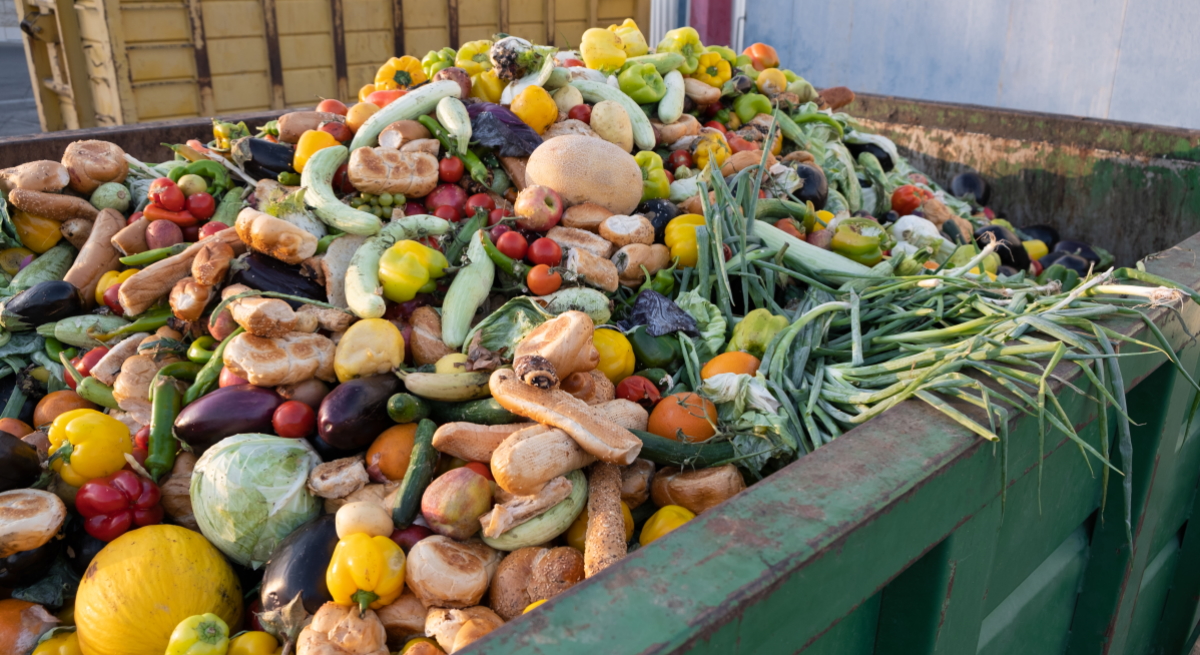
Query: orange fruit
[[58, 402], [391, 451], [15, 427], [734, 362], [687, 413]]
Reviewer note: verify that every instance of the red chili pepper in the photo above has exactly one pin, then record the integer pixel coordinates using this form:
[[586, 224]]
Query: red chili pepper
[[181, 218], [639, 390], [111, 506]]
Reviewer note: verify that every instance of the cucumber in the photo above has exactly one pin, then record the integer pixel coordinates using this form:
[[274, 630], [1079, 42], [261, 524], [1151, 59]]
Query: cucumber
[[664, 62], [589, 301], [468, 292], [317, 181], [417, 102], [485, 411], [669, 452], [363, 292], [550, 523], [670, 108], [452, 114], [407, 408], [421, 464], [643, 133]]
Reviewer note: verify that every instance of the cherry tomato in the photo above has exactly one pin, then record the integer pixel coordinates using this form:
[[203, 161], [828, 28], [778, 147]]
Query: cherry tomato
[[90, 359], [166, 194], [294, 420], [570, 62], [513, 244], [716, 126], [497, 215], [679, 158], [201, 205], [908, 198], [112, 299], [581, 112], [481, 469], [479, 201], [141, 439], [133, 218], [545, 251], [542, 281], [333, 106], [450, 170], [639, 390], [212, 227], [449, 213], [338, 130]]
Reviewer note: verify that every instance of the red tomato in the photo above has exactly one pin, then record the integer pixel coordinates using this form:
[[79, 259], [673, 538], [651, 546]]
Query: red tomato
[[333, 106], [142, 438], [338, 130], [382, 99], [572, 62], [908, 198], [513, 244], [481, 469], [201, 205], [639, 390], [212, 227], [450, 170], [716, 126], [294, 420], [679, 158], [545, 251], [135, 217], [497, 215], [341, 180], [449, 213], [166, 194], [542, 281], [90, 359], [738, 144], [112, 299], [670, 176], [479, 201], [581, 112]]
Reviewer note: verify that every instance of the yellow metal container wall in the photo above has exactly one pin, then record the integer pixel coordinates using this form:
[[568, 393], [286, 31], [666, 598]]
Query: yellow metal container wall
[[150, 60]]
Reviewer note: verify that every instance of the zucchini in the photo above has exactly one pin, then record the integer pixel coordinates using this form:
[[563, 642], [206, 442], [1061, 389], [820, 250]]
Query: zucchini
[[418, 476], [317, 181], [550, 523], [49, 266], [589, 301], [664, 62], [467, 293], [643, 133], [417, 102], [668, 452], [485, 411], [78, 331], [407, 408], [452, 114], [670, 108], [363, 292]]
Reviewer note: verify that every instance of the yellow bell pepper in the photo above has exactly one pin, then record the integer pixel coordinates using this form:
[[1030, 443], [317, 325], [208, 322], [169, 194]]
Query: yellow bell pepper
[[365, 571], [66, 643], [110, 278], [473, 57], [602, 50], [254, 643], [408, 268], [1036, 248], [36, 233], [663, 522], [370, 347], [535, 107], [487, 86], [310, 142], [685, 41], [711, 145], [399, 73], [86, 444], [680, 237], [772, 81], [713, 70], [632, 40], [202, 634], [616, 355], [366, 90]]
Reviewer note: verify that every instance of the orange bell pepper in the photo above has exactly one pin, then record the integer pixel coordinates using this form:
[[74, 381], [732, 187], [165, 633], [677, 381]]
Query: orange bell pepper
[[762, 56]]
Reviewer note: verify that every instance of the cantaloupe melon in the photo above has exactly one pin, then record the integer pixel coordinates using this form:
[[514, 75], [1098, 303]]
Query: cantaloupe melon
[[583, 169]]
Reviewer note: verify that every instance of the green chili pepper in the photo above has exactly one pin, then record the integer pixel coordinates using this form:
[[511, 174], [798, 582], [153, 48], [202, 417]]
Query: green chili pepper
[[149, 321], [54, 347], [642, 83], [178, 370], [815, 116], [478, 171], [206, 379], [95, 391], [271, 128], [150, 256], [164, 410], [288, 178], [210, 170], [201, 349], [750, 105], [506, 263], [654, 179], [323, 242], [175, 173], [651, 351]]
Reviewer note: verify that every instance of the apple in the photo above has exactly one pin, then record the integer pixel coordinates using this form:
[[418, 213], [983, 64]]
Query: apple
[[538, 208]]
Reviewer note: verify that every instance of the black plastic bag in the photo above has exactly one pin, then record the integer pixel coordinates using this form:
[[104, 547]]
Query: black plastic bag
[[660, 315]]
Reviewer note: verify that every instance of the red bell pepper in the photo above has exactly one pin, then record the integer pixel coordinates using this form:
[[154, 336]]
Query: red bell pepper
[[181, 218], [111, 506], [639, 390]]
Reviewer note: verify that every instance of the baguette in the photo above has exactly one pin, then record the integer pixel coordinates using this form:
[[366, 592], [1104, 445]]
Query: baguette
[[556, 349], [472, 442], [586, 216], [189, 298], [55, 206], [559, 409], [529, 458], [145, 287], [594, 270], [97, 257], [575, 238], [290, 359], [132, 238], [604, 542]]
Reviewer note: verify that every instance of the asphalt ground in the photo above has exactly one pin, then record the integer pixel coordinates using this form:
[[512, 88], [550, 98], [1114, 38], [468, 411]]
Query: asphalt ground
[[18, 110]]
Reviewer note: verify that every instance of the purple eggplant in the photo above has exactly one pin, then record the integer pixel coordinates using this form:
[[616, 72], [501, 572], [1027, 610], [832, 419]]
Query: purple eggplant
[[355, 412], [225, 412]]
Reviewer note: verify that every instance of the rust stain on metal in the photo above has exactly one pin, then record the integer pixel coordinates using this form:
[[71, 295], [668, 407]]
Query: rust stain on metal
[[946, 598], [398, 27], [200, 52], [274, 58], [452, 22], [337, 11]]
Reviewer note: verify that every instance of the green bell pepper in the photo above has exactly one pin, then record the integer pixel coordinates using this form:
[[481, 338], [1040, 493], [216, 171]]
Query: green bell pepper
[[642, 83], [685, 41], [654, 352], [755, 332], [858, 239], [436, 60], [726, 53], [750, 105], [654, 179]]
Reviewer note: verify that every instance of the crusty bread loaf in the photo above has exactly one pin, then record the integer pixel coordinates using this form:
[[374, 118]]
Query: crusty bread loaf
[[274, 236], [384, 170], [289, 359]]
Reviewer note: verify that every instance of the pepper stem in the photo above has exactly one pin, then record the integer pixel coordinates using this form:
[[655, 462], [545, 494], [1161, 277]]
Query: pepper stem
[[364, 599]]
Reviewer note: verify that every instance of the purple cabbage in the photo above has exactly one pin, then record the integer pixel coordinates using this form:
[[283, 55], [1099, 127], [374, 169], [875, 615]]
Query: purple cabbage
[[494, 126]]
